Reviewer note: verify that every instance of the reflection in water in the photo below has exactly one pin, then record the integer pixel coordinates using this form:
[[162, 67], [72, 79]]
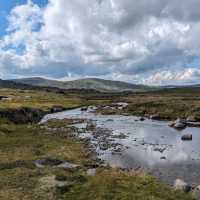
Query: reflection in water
[[149, 144]]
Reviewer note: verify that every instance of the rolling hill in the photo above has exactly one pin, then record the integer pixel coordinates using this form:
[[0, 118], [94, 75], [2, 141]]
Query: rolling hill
[[90, 83]]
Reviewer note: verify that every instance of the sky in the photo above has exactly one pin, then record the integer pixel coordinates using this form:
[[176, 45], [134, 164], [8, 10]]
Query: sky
[[145, 42]]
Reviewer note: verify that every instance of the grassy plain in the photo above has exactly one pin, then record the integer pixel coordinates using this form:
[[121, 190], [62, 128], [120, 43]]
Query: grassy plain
[[22, 144]]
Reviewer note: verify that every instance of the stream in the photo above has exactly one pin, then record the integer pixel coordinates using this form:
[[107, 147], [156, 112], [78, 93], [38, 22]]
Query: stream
[[153, 146]]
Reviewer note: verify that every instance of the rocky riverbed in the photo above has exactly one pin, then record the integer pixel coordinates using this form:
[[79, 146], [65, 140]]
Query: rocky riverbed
[[131, 143]]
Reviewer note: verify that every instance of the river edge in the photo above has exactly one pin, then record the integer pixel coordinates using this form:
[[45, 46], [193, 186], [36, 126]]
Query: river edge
[[24, 148], [158, 175]]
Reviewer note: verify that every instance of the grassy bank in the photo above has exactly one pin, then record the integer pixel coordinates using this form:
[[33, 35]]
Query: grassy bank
[[20, 179], [36, 99], [168, 105]]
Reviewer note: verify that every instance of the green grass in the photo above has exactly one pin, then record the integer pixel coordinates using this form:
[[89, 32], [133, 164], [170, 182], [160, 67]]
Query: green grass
[[115, 184], [20, 145], [36, 99], [167, 105]]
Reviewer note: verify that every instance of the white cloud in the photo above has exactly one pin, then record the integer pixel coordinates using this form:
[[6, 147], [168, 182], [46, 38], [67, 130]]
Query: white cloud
[[119, 39], [189, 76]]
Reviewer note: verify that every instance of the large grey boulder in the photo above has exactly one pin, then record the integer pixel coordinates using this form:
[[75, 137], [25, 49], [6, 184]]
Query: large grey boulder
[[179, 124], [181, 185]]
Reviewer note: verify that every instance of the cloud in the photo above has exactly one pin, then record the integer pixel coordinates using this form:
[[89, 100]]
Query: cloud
[[187, 76], [119, 39]]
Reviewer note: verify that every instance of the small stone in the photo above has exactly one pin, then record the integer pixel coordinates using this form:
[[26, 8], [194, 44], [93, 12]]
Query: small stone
[[181, 185], [56, 109], [91, 172], [197, 188], [161, 150], [171, 124], [67, 165], [155, 117], [41, 163], [141, 118], [187, 137], [84, 108], [191, 119]]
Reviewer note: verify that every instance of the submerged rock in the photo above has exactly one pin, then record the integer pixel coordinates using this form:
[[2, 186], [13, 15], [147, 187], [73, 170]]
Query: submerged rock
[[187, 137], [142, 119], [161, 150], [84, 108], [181, 185]]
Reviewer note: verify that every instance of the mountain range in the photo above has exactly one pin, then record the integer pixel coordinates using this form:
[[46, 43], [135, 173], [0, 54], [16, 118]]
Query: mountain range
[[89, 84]]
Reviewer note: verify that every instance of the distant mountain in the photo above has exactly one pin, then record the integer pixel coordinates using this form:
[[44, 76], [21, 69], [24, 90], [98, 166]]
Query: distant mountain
[[12, 84], [90, 83]]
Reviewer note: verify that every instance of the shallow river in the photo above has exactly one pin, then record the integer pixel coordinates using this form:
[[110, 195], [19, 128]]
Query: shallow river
[[150, 145]]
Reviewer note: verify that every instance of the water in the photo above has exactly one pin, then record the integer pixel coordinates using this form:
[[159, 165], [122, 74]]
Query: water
[[150, 145]]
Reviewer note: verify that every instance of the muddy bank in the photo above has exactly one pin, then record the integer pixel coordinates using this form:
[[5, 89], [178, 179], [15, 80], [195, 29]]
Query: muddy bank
[[26, 115], [23, 115]]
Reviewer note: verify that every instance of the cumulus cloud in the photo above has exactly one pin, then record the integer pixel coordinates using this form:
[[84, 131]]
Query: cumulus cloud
[[136, 41], [187, 76]]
